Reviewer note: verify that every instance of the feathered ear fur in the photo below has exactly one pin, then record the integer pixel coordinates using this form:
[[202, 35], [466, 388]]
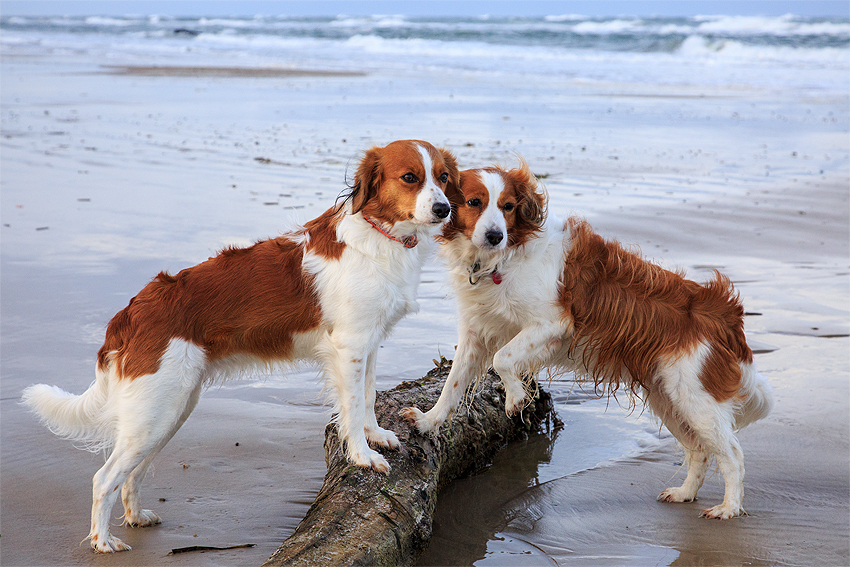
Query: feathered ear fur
[[531, 202], [453, 192], [366, 179]]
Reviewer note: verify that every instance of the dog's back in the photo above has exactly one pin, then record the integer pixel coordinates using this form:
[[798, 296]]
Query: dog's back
[[628, 314]]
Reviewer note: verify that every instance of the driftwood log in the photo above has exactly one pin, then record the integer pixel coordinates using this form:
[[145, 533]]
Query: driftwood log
[[361, 517]]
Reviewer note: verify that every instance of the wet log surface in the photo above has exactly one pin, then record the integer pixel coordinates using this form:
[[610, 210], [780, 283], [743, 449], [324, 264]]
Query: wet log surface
[[361, 517]]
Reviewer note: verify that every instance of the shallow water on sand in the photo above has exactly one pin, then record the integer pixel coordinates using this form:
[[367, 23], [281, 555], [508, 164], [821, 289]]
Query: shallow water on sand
[[107, 180]]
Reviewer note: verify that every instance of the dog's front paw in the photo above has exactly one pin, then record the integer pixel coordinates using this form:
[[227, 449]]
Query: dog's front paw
[[676, 495], [514, 399], [721, 512], [371, 459], [419, 420], [142, 519], [383, 437], [109, 544]]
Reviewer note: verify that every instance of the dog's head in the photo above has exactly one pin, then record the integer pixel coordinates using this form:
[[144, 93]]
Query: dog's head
[[497, 208], [406, 180]]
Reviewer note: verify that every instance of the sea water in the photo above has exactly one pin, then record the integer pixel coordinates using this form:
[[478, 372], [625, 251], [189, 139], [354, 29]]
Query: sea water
[[705, 50]]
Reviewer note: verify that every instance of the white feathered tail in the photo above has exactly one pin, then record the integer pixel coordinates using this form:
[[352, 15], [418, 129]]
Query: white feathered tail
[[84, 418], [758, 397]]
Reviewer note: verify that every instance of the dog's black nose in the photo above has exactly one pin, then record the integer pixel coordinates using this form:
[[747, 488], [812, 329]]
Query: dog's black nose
[[494, 237], [442, 210]]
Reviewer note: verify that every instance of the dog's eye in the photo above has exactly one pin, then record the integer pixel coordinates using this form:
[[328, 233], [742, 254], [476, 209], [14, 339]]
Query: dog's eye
[[409, 178], [508, 207], [474, 202], [444, 177]]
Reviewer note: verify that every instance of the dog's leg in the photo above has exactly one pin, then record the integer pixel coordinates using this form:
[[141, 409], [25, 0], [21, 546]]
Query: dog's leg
[[714, 436], [347, 370], [697, 461], [134, 514], [137, 436], [730, 458], [148, 410], [375, 433], [697, 458], [702, 425], [469, 363], [529, 350], [126, 455]]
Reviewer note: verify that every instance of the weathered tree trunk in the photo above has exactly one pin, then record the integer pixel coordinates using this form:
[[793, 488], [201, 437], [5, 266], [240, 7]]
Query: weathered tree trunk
[[361, 517]]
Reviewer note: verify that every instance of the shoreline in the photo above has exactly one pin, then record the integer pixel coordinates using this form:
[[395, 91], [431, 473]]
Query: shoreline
[[228, 72]]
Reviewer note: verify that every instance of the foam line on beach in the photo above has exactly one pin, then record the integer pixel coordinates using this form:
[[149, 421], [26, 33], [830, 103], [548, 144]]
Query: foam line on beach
[[235, 72]]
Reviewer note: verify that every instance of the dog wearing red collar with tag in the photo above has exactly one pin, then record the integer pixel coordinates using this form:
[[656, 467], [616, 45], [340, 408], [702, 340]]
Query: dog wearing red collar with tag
[[329, 292], [537, 293]]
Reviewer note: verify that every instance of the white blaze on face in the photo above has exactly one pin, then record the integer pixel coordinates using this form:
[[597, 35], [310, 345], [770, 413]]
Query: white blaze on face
[[492, 220], [430, 194]]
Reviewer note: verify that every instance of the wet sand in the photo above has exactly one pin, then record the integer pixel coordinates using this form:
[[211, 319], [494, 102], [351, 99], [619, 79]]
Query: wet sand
[[107, 179]]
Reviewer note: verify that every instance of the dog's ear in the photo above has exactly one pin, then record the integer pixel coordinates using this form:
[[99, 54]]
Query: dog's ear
[[366, 179], [453, 192], [531, 204]]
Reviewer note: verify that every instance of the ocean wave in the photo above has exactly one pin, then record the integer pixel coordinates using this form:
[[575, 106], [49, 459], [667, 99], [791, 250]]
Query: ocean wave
[[787, 25], [703, 46], [10, 39], [565, 18], [468, 51], [243, 23], [378, 21], [111, 22], [608, 27], [264, 41]]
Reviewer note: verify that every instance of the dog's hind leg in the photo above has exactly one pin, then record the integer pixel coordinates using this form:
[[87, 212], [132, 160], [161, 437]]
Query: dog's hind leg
[[714, 436], [134, 514], [704, 427], [148, 409], [697, 461], [730, 458]]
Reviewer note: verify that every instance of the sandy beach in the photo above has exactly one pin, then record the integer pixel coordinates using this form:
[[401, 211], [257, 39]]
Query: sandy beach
[[110, 176]]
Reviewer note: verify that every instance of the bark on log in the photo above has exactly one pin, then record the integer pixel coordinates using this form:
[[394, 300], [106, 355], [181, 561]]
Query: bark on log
[[361, 517]]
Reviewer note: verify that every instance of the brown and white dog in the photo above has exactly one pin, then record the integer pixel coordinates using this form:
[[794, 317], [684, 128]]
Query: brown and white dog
[[329, 292], [534, 293]]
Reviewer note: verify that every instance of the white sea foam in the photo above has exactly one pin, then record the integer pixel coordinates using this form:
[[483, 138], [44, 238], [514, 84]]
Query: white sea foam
[[105, 21], [730, 49], [607, 27], [782, 26], [565, 18]]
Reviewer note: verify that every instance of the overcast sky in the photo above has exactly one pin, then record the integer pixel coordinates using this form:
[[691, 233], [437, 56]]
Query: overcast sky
[[427, 7]]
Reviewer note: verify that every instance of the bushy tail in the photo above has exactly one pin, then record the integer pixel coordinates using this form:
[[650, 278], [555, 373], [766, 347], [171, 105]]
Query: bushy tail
[[758, 397], [82, 418]]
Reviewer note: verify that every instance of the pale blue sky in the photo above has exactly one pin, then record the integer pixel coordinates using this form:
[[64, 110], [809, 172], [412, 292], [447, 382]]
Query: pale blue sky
[[426, 7]]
